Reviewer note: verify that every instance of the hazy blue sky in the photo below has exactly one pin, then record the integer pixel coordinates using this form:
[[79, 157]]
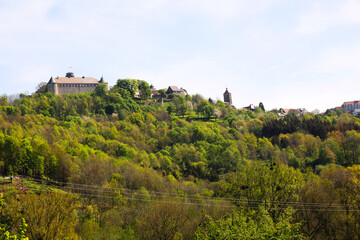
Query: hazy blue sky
[[288, 54]]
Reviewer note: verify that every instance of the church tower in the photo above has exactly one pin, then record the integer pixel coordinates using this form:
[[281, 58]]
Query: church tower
[[227, 97]]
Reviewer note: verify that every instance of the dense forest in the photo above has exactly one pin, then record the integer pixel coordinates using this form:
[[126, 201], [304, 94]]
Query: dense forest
[[109, 165]]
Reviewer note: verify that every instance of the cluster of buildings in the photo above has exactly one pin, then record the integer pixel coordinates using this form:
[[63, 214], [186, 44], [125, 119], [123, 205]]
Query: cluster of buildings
[[251, 107], [71, 85], [351, 107]]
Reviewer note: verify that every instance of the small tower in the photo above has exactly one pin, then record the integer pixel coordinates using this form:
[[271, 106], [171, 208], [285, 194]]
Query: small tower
[[227, 97], [103, 82], [51, 86]]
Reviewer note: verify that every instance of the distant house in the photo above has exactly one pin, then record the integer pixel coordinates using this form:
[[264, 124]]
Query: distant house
[[154, 91], [352, 105], [251, 107], [71, 84], [176, 90], [355, 112], [287, 111]]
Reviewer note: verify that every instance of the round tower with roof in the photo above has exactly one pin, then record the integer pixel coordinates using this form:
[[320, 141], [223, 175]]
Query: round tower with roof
[[52, 86], [227, 97]]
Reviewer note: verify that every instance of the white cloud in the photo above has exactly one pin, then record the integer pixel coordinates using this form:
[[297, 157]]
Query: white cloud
[[325, 15]]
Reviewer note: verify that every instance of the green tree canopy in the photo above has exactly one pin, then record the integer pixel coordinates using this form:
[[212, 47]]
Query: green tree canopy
[[144, 89], [130, 85]]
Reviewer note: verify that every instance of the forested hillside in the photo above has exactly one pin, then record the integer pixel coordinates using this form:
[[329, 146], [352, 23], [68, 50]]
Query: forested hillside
[[107, 165]]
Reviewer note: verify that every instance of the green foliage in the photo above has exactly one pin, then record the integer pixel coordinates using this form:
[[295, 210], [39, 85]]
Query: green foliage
[[208, 111], [48, 216], [144, 89], [261, 105], [6, 235], [162, 92], [143, 169], [250, 225], [101, 90], [130, 85]]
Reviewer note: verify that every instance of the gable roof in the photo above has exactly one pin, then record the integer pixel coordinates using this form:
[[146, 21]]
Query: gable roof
[[175, 88], [70, 80], [51, 80], [101, 80]]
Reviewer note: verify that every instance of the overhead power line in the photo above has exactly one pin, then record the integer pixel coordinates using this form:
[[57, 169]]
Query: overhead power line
[[204, 204], [135, 194]]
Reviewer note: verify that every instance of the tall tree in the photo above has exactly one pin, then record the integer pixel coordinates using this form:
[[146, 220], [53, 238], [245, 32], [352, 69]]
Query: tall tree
[[130, 85], [100, 90], [144, 89]]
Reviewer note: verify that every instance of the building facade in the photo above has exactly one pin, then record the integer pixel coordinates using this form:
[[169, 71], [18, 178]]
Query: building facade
[[349, 106], [227, 97], [71, 84]]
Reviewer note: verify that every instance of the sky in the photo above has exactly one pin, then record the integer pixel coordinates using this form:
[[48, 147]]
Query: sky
[[285, 54]]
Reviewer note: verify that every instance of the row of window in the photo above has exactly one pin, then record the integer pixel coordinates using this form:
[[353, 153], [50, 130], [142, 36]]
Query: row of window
[[77, 85], [352, 107], [71, 90]]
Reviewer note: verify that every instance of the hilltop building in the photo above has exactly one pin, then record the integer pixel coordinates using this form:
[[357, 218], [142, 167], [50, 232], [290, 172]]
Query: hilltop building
[[227, 97], [251, 107], [176, 90], [154, 91], [71, 84], [349, 106], [287, 111]]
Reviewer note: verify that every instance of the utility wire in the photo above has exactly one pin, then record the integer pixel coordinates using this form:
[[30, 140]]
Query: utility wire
[[164, 194], [204, 204], [176, 194]]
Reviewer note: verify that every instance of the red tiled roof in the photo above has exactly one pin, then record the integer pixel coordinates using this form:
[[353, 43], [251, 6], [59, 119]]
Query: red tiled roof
[[75, 80], [352, 103]]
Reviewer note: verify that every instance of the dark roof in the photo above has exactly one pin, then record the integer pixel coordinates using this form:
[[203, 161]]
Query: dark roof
[[101, 80], [226, 91], [69, 74], [51, 80], [250, 107], [42, 89]]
